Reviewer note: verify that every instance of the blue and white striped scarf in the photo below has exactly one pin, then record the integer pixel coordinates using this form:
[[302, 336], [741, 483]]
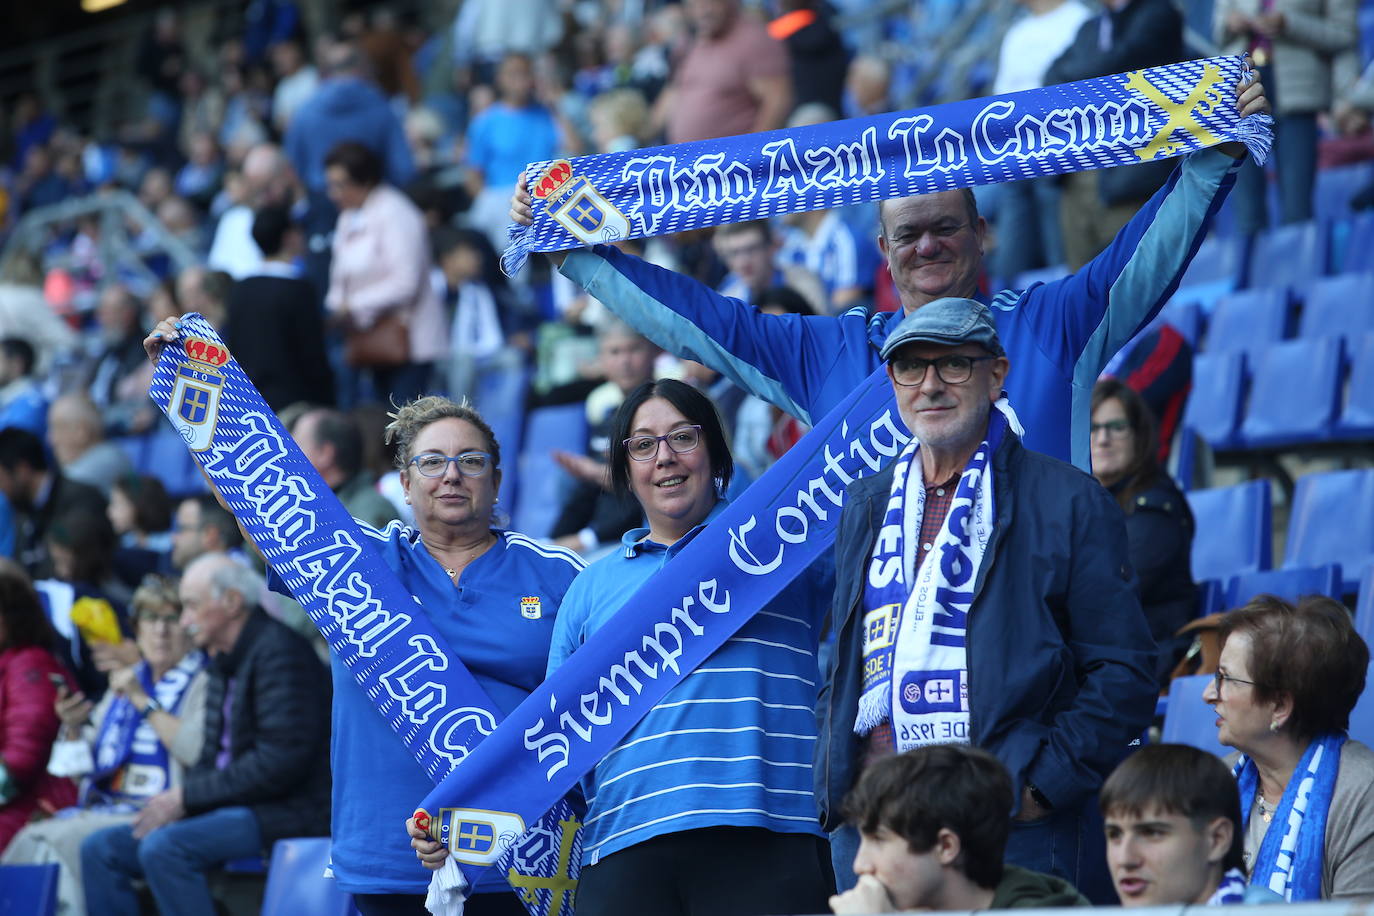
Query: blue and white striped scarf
[[1290, 859], [915, 614], [1230, 890], [1113, 120]]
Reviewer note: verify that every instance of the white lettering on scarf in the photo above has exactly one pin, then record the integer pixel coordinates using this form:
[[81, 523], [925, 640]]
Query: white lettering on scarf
[[1283, 863], [885, 441], [551, 737], [252, 462], [620, 683]]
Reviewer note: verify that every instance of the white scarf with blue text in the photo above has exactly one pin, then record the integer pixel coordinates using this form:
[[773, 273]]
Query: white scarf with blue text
[[916, 620]]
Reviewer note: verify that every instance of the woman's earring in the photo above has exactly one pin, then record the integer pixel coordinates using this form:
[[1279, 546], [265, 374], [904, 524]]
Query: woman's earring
[[1273, 725]]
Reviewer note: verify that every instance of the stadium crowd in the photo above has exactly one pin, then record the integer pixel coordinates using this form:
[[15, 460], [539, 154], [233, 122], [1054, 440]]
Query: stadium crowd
[[345, 197]]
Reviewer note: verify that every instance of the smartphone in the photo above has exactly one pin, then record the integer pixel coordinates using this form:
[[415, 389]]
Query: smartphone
[[58, 681]]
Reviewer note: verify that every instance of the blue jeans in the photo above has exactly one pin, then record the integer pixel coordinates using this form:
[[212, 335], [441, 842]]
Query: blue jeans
[[1069, 843], [844, 849], [172, 859]]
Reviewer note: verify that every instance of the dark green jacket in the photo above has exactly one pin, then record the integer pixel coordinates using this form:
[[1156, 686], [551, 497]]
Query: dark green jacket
[[1022, 888]]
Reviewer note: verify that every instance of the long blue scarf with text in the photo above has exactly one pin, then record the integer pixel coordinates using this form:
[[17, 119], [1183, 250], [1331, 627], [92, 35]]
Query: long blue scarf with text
[[1290, 859], [731, 569], [1113, 120], [375, 627]]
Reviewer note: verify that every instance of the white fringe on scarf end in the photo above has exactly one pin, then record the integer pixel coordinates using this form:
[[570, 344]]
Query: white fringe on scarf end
[[447, 890]]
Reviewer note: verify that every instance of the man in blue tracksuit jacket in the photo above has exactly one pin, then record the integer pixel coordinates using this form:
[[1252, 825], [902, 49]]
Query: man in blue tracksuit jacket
[[1059, 335]]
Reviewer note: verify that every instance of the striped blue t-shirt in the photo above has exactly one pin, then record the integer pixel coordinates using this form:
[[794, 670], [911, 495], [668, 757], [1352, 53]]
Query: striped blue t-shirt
[[732, 743]]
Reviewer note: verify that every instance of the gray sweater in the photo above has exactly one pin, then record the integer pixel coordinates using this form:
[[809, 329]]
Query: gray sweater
[[1348, 872], [1316, 57]]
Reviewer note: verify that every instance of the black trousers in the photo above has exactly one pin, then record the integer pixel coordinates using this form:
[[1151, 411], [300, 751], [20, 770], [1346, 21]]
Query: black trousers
[[714, 871]]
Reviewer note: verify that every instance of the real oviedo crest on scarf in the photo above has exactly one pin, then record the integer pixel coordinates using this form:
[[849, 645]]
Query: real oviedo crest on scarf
[[196, 392], [578, 207]]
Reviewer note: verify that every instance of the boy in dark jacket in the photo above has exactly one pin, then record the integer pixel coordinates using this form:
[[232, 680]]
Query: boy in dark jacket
[[934, 823]]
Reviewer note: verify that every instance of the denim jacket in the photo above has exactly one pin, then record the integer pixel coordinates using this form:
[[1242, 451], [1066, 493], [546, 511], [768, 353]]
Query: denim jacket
[[1060, 659]]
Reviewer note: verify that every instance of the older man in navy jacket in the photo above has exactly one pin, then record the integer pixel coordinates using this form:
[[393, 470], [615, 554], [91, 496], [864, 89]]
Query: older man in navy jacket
[[984, 595]]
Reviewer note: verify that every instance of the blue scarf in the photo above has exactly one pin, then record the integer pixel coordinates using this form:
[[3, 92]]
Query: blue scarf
[[127, 742], [1290, 858], [376, 628], [915, 622], [731, 569], [1112, 120], [1230, 890]]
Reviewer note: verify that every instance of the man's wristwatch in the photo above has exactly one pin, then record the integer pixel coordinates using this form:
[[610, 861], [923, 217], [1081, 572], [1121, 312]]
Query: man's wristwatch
[[151, 706]]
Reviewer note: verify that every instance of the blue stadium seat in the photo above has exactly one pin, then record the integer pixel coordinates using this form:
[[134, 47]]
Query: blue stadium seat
[[1214, 270], [1213, 409], [296, 884], [1357, 416], [1335, 187], [1331, 522], [1185, 316], [133, 447], [543, 484], [1211, 597], [1342, 305], [1291, 255], [1291, 584], [500, 397], [168, 459], [1189, 720], [1356, 250], [1233, 530], [1362, 716], [1295, 392], [28, 890], [1248, 320], [1364, 606]]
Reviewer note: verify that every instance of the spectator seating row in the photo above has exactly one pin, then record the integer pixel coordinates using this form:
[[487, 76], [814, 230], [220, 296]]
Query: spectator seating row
[[1293, 255], [543, 484], [1330, 526], [299, 881], [1289, 393], [1337, 306], [28, 890]]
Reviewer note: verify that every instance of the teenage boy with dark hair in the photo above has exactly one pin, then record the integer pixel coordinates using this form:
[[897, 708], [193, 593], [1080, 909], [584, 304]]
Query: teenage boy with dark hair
[[1174, 833], [934, 824]]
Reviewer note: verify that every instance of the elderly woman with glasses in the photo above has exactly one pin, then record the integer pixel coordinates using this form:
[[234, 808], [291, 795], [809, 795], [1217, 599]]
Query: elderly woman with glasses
[[492, 594], [1288, 678], [134, 744], [706, 805]]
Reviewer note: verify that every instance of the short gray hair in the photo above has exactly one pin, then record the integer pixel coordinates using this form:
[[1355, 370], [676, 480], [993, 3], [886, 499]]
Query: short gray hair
[[234, 576]]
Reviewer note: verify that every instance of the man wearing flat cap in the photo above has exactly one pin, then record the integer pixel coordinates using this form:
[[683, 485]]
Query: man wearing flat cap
[[984, 596]]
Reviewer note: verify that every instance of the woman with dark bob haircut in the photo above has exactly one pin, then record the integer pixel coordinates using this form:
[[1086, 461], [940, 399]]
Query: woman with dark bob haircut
[[1288, 677], [716, 779], [1159, 524]]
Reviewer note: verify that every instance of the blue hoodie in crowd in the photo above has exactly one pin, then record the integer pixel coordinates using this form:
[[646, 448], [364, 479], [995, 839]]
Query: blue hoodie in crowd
[[347, 108]]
